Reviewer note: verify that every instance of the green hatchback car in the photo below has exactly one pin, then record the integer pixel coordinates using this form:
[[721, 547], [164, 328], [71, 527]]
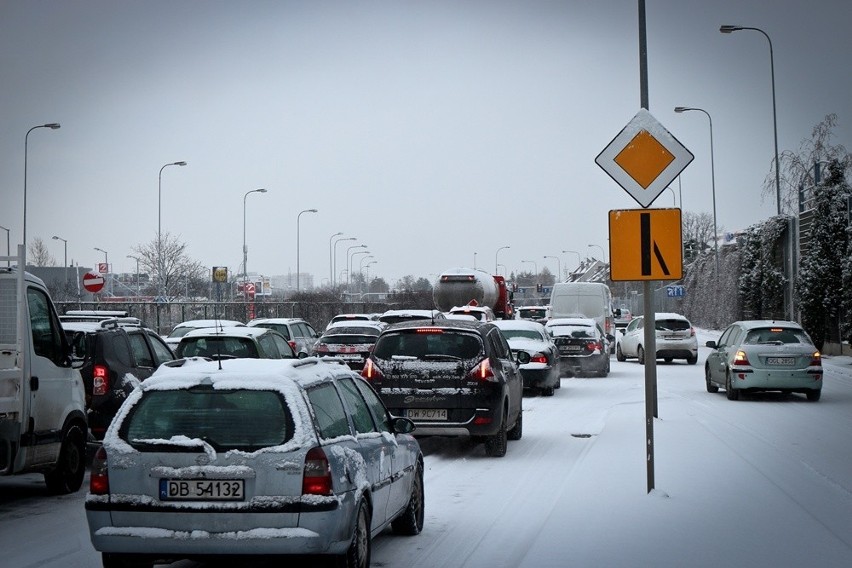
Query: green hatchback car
[[764, 355]]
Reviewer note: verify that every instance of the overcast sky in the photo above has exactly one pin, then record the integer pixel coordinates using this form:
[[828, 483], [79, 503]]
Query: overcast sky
[[435, 132]]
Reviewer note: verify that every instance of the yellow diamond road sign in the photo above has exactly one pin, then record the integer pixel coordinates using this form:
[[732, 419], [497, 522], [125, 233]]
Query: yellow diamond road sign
[[644, 158]]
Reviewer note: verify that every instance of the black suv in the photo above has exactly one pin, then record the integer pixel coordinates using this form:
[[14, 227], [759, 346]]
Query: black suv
[[113, 355], [451, 378]]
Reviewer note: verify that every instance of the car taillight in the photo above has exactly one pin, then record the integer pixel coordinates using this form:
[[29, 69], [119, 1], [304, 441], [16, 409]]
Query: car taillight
[[321, 348], [316, 479], [741, 358], [483, 372], [592, 346], [292, 344], [538, 358], [816, 359], [371, 371], [100, 380], [99, 478]]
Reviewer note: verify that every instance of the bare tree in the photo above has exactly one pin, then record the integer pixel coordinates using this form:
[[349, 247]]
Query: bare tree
[[697, 234], [38, 255], [180, 276]]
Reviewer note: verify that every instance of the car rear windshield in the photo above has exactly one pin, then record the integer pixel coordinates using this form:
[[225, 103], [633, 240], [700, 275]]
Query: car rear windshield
[[242, 347], [245, 420], [575, 331], [776, 335], [535, 313], [341, 339], [353, 330], [521, 333], [430, 343], [671, 325]]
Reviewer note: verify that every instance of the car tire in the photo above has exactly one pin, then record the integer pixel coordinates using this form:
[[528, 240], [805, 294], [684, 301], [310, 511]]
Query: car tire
[[730, 391], [813, 395], [70, 469], [710, 386], [495, 446], [619, 354], [547, 391], [517, 430], [692, 359], [360, 547], [640, 354], [410, 522]]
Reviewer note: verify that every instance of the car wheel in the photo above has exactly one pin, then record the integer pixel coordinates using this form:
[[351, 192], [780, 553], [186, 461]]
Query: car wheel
[[547, 391], [619, 354], [495, 446], [71, 467], [730, 392], [640, 354], [518, 429], [813, 395], [410, 522], [692, 359], [358, 554], [710, 386]]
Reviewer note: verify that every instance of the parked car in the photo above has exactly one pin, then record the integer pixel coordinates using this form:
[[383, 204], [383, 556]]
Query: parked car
[[299, 334], [350, 340], [181, 329], [480, 313], [396, 316], [538, 314], [452, 378], [675, 339], [583, 346], [242, 342], [761, 355], [352, 317], [244, 457], [542, 372], [114, 355]]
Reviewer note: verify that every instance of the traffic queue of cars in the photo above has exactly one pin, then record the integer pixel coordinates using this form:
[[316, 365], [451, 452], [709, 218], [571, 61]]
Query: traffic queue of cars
[[307, 443]]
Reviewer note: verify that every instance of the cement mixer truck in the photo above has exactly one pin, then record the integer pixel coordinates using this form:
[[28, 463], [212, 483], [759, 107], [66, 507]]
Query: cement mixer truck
[[469, 286]]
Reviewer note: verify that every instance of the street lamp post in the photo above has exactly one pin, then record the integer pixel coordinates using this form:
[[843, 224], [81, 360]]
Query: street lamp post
[[337, 242], [297, 243], [331, 260], [367, 277], [136, 258], [8, 249], [349, 263], [495, 257], [106, 261], [579, 258], [160, 267], [52, 126], [361, 265], [726, 29], [558, 266], [65, 261], [603, 252], [351, 258], [712, 179], [245, 248], [535, 267]]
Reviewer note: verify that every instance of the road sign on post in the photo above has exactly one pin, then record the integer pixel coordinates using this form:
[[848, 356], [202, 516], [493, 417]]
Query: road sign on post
[[93, 282], [645, 244]]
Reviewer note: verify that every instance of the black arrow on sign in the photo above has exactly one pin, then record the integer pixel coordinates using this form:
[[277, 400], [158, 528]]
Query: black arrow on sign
[[646, 242]]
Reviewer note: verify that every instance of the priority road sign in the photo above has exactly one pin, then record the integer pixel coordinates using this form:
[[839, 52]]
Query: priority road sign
[[93, 282], [645, 244], [644, 158]]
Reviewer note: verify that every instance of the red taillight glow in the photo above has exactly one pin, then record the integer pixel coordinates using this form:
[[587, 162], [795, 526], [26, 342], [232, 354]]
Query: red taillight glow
[[321, 348], [428, 330], [316, 479], [99, 478], [483, 372], [538, 358], [370, 371], [592, 346], [741, 358], [292, 344], [100, 380], [816, 359]]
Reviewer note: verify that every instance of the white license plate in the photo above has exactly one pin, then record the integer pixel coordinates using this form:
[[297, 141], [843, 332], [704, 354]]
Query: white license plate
[[781, 361], [571, 348], [202, 489], [426, 413]]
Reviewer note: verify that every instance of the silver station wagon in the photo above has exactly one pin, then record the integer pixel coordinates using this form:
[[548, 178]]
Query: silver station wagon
[[253, 457]]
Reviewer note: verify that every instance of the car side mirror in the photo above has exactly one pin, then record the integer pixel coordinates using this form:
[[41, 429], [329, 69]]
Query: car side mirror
[[711, 344], [523, 357], [402, 425]]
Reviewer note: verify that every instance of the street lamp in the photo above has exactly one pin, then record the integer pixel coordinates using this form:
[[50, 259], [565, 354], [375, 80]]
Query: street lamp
[[106, 261], [712, 179], [579, 258], [558, 266], [160, 280], [495, 257], [136, 258], [52, 126], [297, 243], [65, 262], [535, 267], [8, 250], [334, 280], [331, 260], [245, 248], [361, 265], [349, 274], [602, 251], [367, 277], [726, 29]]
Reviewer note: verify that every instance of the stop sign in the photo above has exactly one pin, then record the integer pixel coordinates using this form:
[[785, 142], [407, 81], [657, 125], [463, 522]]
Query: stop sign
[[93, 282]]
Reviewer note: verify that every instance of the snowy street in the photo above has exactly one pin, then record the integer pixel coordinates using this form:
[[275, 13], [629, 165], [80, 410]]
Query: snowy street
[[763, 481]]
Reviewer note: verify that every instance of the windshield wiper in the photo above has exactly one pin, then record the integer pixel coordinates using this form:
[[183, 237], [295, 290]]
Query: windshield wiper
[[441, 357]]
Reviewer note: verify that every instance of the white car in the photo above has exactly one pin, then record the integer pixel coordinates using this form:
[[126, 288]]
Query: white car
[[252, 457], [181, 329], [675, 339]]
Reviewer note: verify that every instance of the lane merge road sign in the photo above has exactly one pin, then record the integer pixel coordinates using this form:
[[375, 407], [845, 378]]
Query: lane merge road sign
[[645, 244]]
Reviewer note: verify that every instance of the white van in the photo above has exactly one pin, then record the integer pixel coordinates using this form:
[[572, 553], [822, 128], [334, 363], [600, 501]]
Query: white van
[[586, 299]]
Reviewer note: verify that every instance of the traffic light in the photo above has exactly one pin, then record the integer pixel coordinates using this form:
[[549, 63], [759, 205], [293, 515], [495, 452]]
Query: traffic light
[[538, 288]]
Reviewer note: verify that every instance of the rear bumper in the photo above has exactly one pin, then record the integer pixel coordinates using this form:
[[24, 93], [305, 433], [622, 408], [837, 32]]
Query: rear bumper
[[589, 364], [544, 376]]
